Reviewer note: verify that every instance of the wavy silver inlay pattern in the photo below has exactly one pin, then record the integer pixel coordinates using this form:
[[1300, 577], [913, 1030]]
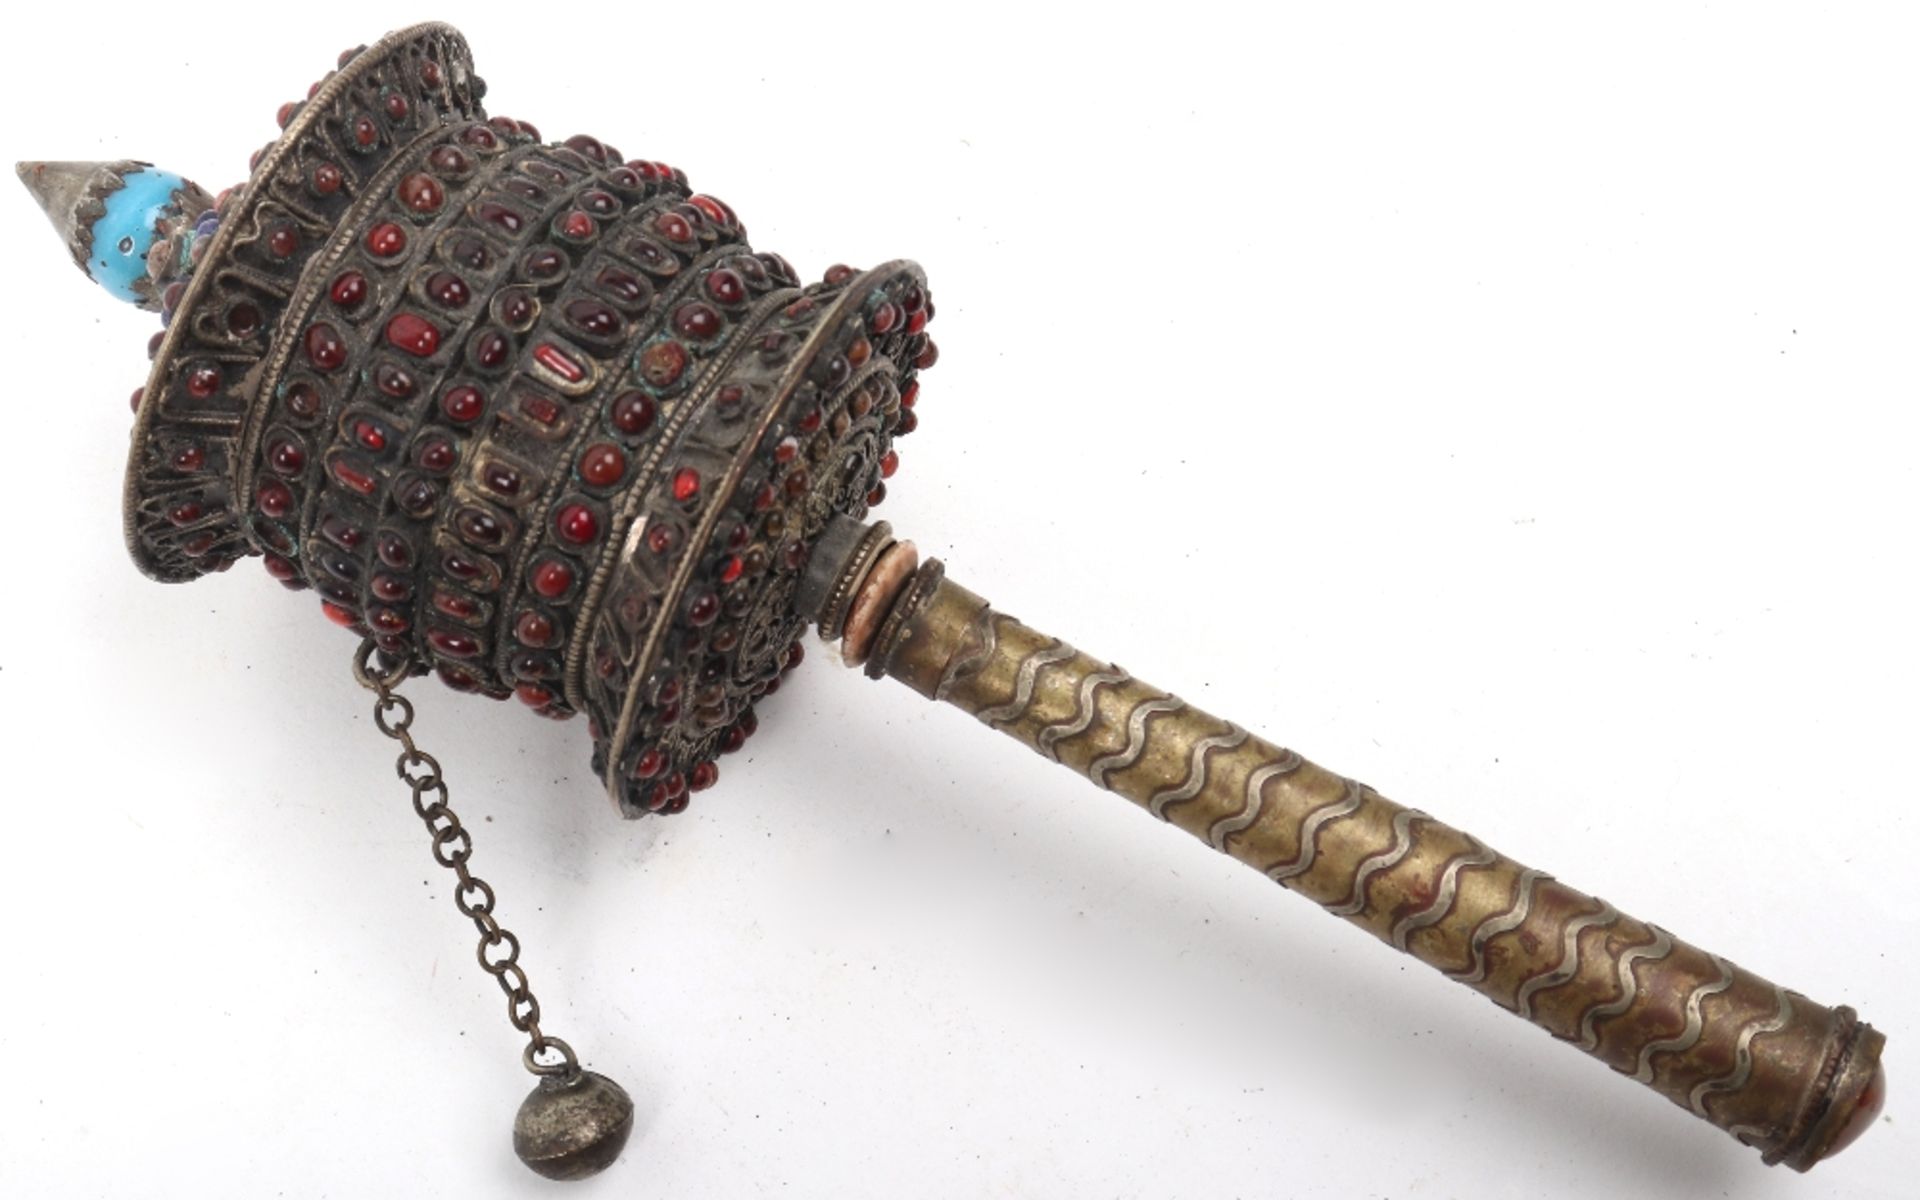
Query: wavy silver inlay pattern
[[1084, 711], [1352, 795], [1475, 971], [988, 640], [1736, 1079], [1013, 709], [1654, 951], [1255, 800], [1196, 770], [1384, 860], [1569, 964], [1696, 1022], [1136, 745], [1444, 894]]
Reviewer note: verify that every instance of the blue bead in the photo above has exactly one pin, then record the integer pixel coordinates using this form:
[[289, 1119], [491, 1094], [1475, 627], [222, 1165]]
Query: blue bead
[[122, 237]]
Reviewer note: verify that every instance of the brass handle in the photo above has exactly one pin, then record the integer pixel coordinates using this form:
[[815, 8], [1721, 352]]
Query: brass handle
[[1790, 1077]]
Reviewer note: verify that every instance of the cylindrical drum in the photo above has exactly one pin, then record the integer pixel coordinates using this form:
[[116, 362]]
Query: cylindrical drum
[[530, 414]]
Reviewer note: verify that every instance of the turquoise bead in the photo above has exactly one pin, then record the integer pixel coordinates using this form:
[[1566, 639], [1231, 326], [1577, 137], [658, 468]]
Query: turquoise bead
[[122, 237]]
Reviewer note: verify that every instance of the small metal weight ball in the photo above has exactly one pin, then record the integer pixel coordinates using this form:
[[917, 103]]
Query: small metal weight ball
[[573, 1124]]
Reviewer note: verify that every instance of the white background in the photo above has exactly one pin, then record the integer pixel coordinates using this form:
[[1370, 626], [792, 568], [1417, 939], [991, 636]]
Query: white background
[[1513, 409]]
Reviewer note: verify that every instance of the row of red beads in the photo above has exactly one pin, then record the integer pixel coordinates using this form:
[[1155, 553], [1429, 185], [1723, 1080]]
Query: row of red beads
[[764, 533], [594, 298], [605, 453], [347, 327], [475, 537]]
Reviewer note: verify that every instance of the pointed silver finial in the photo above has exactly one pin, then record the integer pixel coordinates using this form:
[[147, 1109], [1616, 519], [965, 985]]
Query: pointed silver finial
[[127, 225]]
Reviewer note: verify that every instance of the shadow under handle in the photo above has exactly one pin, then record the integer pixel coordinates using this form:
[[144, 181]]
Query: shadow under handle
[[1792, 1078]]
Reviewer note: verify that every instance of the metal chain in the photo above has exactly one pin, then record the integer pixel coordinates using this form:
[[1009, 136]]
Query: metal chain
[[499, 949]]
